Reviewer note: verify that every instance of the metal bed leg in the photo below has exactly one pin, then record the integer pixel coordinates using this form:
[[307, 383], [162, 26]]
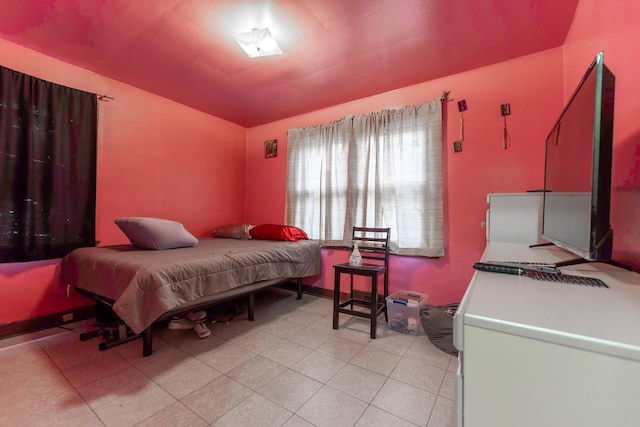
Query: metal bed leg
[[105, 345], [90, 334], [250, 309], [147, 342], [299, 282]]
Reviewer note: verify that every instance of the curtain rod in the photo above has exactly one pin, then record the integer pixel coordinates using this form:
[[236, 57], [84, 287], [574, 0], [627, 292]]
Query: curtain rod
[[104, 98], [443, 97]]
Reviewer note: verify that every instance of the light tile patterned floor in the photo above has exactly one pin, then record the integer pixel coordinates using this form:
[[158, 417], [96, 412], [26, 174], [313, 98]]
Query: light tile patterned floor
[[287, 368]]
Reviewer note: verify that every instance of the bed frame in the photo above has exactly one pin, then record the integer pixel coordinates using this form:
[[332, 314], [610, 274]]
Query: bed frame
[[117, 333], [135, 288]]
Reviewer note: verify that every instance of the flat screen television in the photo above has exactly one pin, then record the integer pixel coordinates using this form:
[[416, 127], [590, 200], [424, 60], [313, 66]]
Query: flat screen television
[[577, 172]]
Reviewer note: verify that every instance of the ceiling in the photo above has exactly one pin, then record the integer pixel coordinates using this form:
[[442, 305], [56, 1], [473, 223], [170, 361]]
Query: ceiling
[[334, 50]]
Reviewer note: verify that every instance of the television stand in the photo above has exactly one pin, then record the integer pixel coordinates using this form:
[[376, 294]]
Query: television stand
[[549, 336], [576, 261], [538, 245], [565, 263]]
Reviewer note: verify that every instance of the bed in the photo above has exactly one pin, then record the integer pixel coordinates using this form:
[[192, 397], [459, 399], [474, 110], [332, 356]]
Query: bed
[[145, 286]]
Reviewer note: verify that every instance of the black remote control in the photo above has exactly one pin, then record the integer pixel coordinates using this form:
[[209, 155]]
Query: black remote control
[[495, 268]]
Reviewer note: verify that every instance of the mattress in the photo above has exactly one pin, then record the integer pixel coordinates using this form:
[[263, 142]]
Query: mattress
[[145, 284]]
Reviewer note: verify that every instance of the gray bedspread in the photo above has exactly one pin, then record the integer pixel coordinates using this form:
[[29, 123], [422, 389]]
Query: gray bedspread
[[145, 284]]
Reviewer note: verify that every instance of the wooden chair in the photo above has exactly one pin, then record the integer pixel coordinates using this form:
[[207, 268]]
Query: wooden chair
[[373, 244]]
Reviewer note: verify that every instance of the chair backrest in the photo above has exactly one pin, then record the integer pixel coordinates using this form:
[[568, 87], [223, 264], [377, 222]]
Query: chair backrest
[[373, 243]]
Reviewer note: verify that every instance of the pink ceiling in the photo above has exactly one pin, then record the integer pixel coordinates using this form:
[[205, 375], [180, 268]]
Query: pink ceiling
[[335, 50]]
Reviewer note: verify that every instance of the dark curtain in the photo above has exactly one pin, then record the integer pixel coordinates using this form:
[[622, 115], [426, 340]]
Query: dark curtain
[[48, 172]]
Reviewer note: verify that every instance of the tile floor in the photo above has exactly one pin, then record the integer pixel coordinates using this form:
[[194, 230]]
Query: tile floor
[[287, 368]]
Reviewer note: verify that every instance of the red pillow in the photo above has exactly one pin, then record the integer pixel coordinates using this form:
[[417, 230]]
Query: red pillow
[[287, 233]]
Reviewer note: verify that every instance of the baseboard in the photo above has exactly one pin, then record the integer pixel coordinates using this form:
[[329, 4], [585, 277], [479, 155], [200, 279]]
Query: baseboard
[[326, 293], [44, 322], [319, 292]]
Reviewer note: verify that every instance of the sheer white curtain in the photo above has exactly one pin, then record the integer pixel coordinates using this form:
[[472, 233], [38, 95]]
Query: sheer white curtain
[[378, 170], [317, 176]]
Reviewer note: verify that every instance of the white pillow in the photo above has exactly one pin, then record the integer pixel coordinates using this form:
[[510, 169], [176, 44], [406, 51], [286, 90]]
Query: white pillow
[[155, 233], [233, 231]]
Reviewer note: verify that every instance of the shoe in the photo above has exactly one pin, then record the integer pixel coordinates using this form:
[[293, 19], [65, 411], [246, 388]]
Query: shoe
[[181, 324], [201, 330], [196, 315]]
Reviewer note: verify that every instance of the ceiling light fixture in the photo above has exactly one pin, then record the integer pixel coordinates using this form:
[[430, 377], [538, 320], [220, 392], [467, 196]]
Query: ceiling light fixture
[[258, 42]]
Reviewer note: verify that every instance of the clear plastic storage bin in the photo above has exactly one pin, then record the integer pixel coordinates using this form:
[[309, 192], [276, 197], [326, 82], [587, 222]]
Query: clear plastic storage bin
[[403, 311]]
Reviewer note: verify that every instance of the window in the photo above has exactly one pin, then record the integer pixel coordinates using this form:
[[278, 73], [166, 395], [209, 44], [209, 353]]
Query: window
[[48, 172], [379, 170]]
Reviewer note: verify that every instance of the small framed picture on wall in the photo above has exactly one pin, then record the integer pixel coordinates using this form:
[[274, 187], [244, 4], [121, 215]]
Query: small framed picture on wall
[[271, 148]]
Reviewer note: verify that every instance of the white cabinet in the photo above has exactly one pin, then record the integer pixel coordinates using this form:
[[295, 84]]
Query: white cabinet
[[537, 353], [512, 380]]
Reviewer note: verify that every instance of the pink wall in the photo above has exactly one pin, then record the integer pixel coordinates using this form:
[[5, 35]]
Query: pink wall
[[598, 26], [155, 158], [533, 87], [159, 158]]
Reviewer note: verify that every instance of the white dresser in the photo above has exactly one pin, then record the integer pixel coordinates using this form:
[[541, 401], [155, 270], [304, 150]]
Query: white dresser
[[546, 354]]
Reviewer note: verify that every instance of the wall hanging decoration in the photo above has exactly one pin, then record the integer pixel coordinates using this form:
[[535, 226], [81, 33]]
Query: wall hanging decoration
[[505, 110], [457, 145], [271, 148]]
